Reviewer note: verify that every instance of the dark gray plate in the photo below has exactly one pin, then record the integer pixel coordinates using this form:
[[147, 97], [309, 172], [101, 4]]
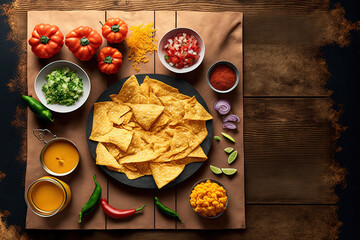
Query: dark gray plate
[[148, 182]]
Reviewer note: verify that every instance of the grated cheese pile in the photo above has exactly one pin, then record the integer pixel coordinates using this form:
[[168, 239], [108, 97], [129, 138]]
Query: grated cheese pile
[[140, 42]]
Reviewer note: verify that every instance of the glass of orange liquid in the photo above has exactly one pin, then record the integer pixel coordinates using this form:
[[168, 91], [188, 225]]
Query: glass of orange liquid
[[47, 196]]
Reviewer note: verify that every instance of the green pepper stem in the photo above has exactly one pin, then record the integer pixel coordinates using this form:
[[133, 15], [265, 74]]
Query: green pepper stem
[[115, 28], [139, 209], [101, 23], [84, 41], [44, 39], [108, 59]]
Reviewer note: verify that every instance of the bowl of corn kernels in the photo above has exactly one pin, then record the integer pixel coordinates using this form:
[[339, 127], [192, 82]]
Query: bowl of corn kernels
[[209, 198]]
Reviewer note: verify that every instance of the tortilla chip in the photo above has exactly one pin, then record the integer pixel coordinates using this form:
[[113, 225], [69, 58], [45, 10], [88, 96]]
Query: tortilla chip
[[144, 168], [163, 173], [101, 122], [116, 111], [140, 156], [120, 137], [131, 166], [174, 107], [195, 111], [146, 114], [188, 160], [130, 92], [103, 157], [129, 174], [160, 88], [198, 153]]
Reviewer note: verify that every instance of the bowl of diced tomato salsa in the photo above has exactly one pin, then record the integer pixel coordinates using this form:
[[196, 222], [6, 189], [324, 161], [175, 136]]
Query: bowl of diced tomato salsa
[[181, 50]]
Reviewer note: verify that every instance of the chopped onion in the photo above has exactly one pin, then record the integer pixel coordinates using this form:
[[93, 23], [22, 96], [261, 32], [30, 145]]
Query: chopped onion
[[229, 125], [222, 106], [232, 118]]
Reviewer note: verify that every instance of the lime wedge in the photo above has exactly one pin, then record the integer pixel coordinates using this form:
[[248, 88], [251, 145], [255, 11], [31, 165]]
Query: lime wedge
[[229, 171], [228, 137], [228, 149], [215, 170], [232, 157], [217, 138]]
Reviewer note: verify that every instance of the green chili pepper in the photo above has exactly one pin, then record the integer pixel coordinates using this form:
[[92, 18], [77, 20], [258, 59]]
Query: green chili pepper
[[93, 201], [166, 210], [38, 108]]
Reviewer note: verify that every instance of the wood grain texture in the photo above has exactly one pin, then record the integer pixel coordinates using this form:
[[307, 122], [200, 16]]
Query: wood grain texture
[[288, 150], [281, 39]]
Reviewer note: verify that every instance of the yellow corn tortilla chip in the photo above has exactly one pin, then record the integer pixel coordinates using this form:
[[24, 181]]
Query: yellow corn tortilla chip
[[144, 168], [116, 111], [146, 114], [174, 107], [130, 92], [103, 157], [129, 174], [188, 160], [141, 156], [120, 137], [131, 166], [198, 153], [163, 173], [195, 111], [101, 122], [160, 88]]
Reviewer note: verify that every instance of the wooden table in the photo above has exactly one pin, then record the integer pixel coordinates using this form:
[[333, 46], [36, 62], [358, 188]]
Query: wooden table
[[290, 126]]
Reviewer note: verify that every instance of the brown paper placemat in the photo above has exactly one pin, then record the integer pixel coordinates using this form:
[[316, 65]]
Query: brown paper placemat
[[222, 33]]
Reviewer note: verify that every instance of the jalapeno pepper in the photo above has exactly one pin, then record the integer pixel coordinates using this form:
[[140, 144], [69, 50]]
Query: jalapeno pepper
[[40, 110], [93, 201], [117, 213], [166, 210]]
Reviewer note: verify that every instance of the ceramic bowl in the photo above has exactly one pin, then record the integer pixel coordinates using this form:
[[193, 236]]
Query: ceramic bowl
[[172, 33], [214, 181], [40, 80], [226, 63]]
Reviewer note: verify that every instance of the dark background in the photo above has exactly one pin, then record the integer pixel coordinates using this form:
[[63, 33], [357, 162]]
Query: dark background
[[343, 64]]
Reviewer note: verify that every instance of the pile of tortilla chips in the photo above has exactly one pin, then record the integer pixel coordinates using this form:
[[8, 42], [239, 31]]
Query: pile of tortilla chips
[[149, 129]]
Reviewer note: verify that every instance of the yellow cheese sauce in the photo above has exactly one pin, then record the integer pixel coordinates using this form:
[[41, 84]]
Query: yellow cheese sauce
[[61, 156], [47, 196]]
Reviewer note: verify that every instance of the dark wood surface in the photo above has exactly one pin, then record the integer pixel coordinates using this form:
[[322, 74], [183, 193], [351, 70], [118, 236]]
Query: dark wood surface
[[290, 124]]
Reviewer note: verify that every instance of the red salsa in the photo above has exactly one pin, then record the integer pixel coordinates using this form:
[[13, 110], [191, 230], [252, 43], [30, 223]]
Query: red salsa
[[182, 50], [222, 77]]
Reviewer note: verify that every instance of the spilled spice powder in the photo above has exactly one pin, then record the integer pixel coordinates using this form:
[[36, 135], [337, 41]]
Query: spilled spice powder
[[222, 77]]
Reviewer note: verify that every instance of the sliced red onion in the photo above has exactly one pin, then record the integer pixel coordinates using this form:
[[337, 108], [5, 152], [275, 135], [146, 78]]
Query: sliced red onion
[[232, 118], [222, 106], [229, 125]]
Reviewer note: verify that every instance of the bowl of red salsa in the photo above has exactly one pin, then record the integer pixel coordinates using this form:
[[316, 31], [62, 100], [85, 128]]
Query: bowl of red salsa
[[223, 77], [181, 50]]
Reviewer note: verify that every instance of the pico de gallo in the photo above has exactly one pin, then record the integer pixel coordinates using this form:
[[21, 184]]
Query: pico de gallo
[[182, 50]]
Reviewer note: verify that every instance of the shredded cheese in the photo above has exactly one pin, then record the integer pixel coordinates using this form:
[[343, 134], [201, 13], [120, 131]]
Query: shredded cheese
[[140, 42]]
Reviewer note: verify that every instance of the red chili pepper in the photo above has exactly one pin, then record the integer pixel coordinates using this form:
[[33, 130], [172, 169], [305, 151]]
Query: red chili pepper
[[117, 213]]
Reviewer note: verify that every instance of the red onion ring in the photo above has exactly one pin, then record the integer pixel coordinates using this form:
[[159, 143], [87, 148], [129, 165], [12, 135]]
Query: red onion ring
[[229, 125], [222, 106], [232, 118]]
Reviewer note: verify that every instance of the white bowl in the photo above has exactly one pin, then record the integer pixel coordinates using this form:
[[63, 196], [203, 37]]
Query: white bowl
[[172, 33], [40, 80]]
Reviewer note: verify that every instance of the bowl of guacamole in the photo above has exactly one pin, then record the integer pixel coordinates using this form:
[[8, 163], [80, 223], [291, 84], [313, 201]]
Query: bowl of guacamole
[[62, 86]]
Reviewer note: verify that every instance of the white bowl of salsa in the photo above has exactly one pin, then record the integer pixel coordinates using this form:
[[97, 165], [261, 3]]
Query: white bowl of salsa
[[181, 50]]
